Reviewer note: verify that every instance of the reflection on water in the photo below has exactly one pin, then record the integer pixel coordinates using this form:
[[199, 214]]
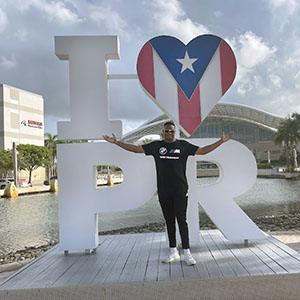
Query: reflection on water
[[33, 220], [28, 221], [266, 197]]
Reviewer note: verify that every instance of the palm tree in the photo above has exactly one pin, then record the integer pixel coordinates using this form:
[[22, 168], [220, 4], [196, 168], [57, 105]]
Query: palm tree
[[50, 143], [288, 134]]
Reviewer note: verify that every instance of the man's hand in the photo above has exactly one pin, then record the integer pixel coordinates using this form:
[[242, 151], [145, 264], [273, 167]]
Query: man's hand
[[227, 137], [125, 146], [209, 148], [109, 139]]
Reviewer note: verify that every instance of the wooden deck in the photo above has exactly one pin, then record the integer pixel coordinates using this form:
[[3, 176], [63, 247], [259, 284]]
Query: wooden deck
[[137, 257]]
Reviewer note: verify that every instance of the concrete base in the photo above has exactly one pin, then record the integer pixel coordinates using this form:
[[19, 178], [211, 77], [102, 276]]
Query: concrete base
[[247, 288]]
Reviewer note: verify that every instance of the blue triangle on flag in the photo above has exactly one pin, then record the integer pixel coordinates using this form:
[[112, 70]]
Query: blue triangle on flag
[[170, 49]]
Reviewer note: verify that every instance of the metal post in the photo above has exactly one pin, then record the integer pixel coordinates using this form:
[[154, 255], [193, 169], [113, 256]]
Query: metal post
[[295, 158], [15, 164]]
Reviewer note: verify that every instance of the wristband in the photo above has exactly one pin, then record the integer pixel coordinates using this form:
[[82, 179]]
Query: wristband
[[116, 142]]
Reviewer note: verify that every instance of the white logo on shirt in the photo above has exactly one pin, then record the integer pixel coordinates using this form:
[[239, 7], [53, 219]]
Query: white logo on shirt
[[174, 151], [162, 150]]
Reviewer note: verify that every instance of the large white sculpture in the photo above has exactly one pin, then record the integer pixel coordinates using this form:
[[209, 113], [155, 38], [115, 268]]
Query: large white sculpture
[[80, 200], [88, 57]]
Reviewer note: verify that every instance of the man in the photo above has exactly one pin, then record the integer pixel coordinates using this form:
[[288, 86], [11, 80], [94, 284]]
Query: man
[[170, 157]]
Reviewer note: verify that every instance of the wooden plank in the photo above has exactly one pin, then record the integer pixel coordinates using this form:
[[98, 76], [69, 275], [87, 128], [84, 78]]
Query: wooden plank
[[284, 247], [122, 259], [111, 260], [189, 272], [294, 263], [153, 261], [218, 256], [73, 275], [276, 258], [129, 258], [235, 265], [176, 272], [163, 268], [271, 266], [141, 265], [198, 254], [66, 265], [102, 238], [20, 278], [95, 263], [66, 278], [128, 270], [55, 270], [208, 259], [29, 274], [26, 276], [248, 259]]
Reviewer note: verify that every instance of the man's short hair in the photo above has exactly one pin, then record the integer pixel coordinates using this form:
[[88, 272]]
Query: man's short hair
[[169, 123]]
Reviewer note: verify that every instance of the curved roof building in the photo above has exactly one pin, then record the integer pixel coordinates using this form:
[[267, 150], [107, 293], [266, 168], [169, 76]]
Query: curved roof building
[[253, 127]]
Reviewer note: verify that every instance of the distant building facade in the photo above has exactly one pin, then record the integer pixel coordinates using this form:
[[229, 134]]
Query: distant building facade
[[21, 117], [21, 120], [252, 127]]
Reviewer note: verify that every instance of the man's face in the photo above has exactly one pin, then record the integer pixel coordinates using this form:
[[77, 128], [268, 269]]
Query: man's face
[[169, 133]]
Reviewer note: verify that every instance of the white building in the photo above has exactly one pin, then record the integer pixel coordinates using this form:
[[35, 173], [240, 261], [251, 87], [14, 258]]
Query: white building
[[252, 127], [22, 122], [21, 117]]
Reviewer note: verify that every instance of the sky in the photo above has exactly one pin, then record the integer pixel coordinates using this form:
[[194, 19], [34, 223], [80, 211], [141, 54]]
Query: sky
[[264, 34]]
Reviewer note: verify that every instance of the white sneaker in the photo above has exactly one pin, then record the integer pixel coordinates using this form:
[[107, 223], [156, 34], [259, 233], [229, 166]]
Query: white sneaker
[[189, 259], [172, 256]]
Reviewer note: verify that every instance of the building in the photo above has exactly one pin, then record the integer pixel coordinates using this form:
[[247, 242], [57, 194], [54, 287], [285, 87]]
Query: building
[[21, 117], [253, 127], [21, 120]]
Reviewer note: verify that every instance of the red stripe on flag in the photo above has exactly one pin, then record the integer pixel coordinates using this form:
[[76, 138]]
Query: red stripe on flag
[[228, 66], [189, 110], [145, 69]]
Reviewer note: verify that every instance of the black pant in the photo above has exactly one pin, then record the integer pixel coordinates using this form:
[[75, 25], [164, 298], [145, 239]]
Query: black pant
[[174, 204]]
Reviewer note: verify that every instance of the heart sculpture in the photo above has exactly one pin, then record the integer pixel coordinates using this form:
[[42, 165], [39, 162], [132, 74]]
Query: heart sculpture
[[186, 81]]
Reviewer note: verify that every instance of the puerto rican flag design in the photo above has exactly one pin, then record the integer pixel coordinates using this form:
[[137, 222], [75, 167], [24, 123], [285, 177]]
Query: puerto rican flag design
[[186, 81]]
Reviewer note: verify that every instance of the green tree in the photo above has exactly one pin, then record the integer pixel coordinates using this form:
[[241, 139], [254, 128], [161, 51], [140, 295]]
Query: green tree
[[50, 143], [30, 157], [288, 134], [6, 161]]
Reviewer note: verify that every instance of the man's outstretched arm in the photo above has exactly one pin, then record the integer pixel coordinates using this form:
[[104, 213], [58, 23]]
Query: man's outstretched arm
[[211, 147], [128, 147]]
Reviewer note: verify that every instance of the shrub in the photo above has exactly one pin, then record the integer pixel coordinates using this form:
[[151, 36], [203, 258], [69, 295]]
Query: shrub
[[264, 166]]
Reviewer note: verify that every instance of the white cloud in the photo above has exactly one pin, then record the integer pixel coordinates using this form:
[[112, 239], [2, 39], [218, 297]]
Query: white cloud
[[22, 34], [244, 86], [284, 103], [275, 80], [6, 63], [282, 13], [3, 20], [253, 50], [218, 13], [55, 10], [110, 18], [260, 86], [251, 53], [288, 5], [253, 58], [297, 80], [171, 18], [293, 59]]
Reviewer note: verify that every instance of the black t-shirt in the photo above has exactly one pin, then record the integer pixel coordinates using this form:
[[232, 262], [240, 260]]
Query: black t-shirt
[[170, 160]]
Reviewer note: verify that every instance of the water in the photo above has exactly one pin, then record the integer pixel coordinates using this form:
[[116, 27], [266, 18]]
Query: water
[[33, 219], [28, 221]]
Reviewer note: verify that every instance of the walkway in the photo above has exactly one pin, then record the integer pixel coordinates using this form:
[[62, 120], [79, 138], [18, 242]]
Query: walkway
[[136, 258]]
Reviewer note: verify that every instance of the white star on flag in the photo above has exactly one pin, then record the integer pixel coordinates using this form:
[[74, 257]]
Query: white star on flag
[[187, 62]]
